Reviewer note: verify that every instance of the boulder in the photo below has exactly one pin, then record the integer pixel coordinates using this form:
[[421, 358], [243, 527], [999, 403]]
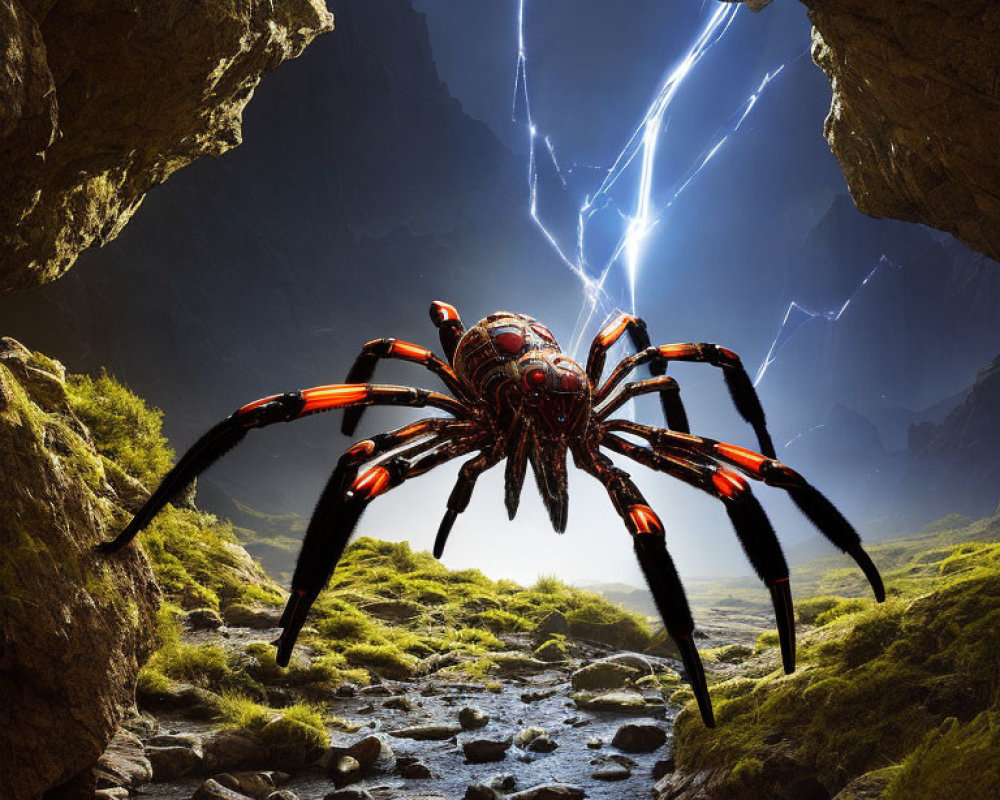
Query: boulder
[[234, 749], [292, 744], [123, 763], [611, 772], [482, 751], [639, 737], [603, 675], [554, 623], [471, 718], [74, 626], [85, 136], [479, 791], [172, 762], [203, 619]]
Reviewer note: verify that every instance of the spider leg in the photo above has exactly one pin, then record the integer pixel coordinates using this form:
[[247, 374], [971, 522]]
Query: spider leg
[[460, 496], [810, 501], [449, 325], [517, 466], [364, 367], [662, 384], [670, 401], [268, 410], [741, 388], [336, 516], [657, 566], [753, 528]]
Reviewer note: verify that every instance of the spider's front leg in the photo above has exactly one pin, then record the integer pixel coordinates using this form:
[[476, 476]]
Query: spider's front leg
[[670, 401], [658, 568], [340, 508], [277, 408], [741, 388]]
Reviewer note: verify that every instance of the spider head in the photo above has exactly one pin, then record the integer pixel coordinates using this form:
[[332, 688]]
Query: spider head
[[554, 391]]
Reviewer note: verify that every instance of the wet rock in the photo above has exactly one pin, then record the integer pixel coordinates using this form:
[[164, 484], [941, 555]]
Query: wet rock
[[412, 767], [425, 733], [504, 782], [234, 749], [348, 764], [594, 743], [169, 763], [663, 767], [471, 718], [535, 696], [543, 744], [638, 737], [480, 792], [611, 772], [624, 702], [257, 784], [550, 791], [526, 736], [481, 751], [603, 675], [282, 794], [401, 703], [191, 740], [202, 619], [292, 744], [123, 763], [348, 794], [553, 651], [344, 770], [394, 610], [869, 786], [255, 617], [114, 793], [346, 690], [554, 623], [621, 635], [213, 790], [512, 664], [86, 136], [142, 724]]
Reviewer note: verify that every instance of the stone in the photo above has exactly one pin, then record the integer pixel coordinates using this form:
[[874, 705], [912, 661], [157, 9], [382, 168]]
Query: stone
[[603, 675], [410, 767], [282, 794], [536, 696], [234, 749], [543, 744], [869, 786], [191, 740], [663, 767], [348, 764], [471, 718], [203, 619], [73, 635], [594, 743], [611, 772], [169, 763], [478, 791], [344, 770], [346, 690], [619, 701], [621, 635], [123, 763], [423, 733], [255, 617], [638, 737], [554, 623], [504, 782], [513, 664], [401, 703], [526, 736], [213, 790], [348, 794], [906, 78], [292, 744], [253, 783], [86, 136], [550, 791], [482, 751]]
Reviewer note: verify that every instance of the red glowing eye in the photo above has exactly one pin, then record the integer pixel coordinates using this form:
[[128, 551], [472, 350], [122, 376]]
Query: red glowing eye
[[509, 341], [569, 382], [535, 377]]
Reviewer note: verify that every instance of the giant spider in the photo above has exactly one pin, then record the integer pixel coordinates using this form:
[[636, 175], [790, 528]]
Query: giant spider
[[518, 396]]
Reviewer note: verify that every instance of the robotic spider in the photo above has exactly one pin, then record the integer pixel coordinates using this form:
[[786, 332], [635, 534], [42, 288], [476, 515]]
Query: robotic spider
[[518, 397]]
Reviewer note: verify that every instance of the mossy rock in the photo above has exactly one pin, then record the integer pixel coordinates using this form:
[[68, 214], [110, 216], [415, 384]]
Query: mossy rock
[[603, 675], [292, 743], [384, 660]]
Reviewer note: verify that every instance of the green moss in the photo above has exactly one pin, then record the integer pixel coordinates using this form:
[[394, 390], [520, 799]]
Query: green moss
[[386, 660], [125, 429], [875, 683]]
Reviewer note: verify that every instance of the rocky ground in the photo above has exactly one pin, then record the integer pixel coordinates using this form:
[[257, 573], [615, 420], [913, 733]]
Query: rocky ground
[[595, 724]]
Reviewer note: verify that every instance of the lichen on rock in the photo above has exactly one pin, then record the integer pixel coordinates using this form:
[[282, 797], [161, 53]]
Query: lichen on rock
[[915, 113], [75, 627], [100, 101]]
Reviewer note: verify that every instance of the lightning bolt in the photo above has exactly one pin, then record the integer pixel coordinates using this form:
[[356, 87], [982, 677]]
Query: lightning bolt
[[638, 157], [796, 315]]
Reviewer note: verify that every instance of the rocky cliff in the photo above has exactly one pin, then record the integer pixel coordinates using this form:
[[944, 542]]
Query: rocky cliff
[[915, 110], [74, 629], [101, 100]]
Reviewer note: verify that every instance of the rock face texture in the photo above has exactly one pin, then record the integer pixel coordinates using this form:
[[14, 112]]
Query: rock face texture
[[102, 99], [916, 108], [73, 628]]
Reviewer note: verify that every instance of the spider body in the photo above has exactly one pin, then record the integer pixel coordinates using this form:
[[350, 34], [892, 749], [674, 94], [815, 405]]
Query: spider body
[[516, 397]]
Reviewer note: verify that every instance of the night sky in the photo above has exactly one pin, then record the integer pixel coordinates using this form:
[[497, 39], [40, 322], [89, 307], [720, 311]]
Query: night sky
[[343, 215]]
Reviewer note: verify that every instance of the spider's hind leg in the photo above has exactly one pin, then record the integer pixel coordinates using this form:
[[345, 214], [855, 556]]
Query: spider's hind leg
[[658, 568], [450, 328]]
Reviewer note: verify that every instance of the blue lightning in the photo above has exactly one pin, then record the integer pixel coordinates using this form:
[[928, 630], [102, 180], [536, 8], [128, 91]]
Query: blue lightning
[[639, 152], [796, 315]]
